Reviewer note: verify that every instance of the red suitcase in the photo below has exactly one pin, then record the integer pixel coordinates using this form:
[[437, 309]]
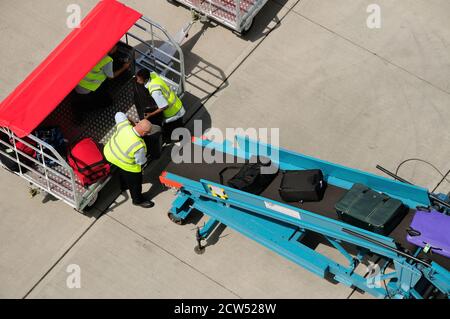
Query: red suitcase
[[88, 162], [24, 147]]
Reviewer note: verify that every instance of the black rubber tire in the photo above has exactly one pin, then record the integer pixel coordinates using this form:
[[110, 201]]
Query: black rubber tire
[[174, 219], [199, 251], [93, 201], [245, 31]]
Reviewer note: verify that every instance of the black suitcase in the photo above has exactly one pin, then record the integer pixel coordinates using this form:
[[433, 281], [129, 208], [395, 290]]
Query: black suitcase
[[302, 186], [251, 178], [370, 210]]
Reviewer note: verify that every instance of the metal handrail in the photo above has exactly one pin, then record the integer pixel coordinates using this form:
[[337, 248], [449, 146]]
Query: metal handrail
[[180, 86], [182, 83], [154, 49], [33, 170], [156, 61], [42, 149]]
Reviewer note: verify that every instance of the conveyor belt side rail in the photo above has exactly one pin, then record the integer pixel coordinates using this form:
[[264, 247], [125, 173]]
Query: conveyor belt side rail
[[281, 233], [281, 227]]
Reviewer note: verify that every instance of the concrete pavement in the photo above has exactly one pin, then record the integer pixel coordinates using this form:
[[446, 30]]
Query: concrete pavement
[[336, 89]]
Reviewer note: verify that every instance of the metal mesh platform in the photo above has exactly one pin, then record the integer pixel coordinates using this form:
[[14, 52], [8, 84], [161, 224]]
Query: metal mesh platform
[[99, 125], [222, 9], [56, 184]]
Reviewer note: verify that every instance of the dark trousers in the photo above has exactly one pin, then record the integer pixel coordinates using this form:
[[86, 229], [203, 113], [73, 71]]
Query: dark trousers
[[133, 182], [84, 103], [154, 145], [168, 128]]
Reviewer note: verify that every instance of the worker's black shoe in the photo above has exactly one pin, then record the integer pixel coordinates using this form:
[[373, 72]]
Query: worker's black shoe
[[145, 204]]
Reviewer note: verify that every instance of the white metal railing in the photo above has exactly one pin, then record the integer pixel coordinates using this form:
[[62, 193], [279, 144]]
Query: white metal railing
[[235, 14], [159, 52], [59, 179]]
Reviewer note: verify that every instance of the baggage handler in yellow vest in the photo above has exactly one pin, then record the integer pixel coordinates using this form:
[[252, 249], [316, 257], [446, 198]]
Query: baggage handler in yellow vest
[[169, 104], [92, 91], [127, 150]]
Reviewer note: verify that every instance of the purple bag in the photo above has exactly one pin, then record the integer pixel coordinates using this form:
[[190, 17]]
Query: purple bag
[[430, 229]]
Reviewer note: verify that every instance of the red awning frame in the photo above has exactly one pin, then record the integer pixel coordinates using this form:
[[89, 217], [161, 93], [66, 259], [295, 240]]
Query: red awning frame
[[47, 86]]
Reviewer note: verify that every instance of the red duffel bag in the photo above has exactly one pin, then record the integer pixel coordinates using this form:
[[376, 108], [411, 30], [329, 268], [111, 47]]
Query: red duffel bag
[[88, 162]]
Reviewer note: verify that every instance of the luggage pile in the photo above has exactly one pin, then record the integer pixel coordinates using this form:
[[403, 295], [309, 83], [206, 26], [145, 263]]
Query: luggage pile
[[54, 137], [360, 206], [88, 162], [84, 157]]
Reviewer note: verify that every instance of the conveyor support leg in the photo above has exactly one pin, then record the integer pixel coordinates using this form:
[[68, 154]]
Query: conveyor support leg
[[203, 233]]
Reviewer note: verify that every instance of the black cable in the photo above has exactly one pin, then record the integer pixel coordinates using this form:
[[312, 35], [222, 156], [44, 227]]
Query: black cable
[[423, 161], [384, 280], [388, 295]]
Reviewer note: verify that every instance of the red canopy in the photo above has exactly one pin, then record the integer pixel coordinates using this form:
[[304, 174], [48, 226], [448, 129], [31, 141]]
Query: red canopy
[[41, 92]]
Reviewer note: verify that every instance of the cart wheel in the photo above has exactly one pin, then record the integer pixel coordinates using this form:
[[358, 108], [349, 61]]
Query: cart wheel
[[174, 219], [93, 200], [247, 27], [199, 250]]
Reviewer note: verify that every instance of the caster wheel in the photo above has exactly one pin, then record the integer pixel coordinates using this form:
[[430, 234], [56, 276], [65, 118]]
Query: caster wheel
[[93, 200], [247, 28], [175, 220], [199, 251]]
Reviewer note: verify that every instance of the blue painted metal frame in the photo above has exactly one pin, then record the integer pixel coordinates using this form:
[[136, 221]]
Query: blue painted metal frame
[[280, 227]]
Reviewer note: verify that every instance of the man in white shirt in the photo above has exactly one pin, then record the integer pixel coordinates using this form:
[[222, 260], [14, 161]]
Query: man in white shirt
[[168, 103]]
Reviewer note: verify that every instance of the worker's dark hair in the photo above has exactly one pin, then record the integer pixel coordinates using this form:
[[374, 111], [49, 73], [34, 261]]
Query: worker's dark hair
[[143, 73]]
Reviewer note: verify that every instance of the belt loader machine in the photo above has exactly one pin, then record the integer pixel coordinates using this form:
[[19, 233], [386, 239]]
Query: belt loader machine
[[405, 271]]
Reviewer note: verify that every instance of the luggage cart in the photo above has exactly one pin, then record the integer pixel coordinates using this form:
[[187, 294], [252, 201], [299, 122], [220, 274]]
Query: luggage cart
[[32, 105], [401, 270], [235, 14]]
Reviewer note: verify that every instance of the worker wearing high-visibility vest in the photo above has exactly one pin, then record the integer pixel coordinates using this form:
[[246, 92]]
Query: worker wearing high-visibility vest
[[92, 92], [101, 71], [169, 104], [127, 150]]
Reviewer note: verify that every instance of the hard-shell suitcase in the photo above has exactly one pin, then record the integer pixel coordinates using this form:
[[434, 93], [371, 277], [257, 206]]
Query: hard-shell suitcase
[[305, 185], [430, 229], [88, 162], [370, 210]]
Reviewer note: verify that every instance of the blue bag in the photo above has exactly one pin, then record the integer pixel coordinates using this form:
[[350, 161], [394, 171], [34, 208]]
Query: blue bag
[[54, 137]]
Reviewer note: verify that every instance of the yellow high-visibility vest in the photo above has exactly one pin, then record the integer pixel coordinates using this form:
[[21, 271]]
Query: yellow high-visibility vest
[[158, 84], [96, 76], [122, 146]]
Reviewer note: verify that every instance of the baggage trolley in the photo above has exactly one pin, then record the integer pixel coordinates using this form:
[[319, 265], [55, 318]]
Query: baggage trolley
[[147, 44], [235, 14]]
